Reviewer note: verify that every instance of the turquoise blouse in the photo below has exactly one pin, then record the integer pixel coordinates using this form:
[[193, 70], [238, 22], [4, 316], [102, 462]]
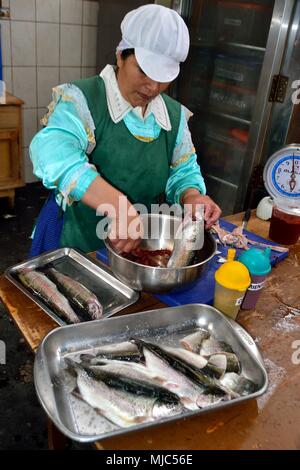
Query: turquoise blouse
[[59, 152]]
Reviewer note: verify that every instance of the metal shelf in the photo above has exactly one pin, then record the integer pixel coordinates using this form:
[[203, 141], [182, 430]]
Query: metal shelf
[[229, 116]]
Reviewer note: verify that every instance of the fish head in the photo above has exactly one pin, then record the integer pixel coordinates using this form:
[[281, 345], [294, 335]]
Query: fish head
[[163, 409]]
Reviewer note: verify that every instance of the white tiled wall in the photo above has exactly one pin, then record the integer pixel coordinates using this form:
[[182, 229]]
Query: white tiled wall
[[71, 11], [44, 43], [47, 38], [47, 11]]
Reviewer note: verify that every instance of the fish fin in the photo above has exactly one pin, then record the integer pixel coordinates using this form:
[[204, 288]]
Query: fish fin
[[139, 343], [76, 393], [86, 357]]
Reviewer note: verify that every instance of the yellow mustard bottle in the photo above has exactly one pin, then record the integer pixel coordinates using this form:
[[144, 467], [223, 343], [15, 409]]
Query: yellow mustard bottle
[[232, 281]]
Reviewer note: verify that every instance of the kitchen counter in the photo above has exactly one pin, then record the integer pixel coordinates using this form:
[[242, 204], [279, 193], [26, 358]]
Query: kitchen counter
[[271, 421]]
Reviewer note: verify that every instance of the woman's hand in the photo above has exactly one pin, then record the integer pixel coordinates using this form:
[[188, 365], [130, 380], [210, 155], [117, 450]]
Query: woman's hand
[[126, 228], [212, 211]]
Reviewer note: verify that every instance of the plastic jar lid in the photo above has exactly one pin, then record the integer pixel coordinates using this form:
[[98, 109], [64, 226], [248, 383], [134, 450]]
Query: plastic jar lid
[[257, 261], [290, 206], [233, 274]]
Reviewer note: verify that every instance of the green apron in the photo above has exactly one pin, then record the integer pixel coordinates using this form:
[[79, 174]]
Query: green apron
[[138, 169]]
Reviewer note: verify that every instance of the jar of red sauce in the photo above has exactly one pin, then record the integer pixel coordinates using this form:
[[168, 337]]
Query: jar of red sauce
[[285, 221]]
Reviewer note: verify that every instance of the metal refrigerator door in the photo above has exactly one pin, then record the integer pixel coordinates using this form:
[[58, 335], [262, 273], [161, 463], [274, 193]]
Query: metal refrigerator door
[[283, 126], [236, 48]]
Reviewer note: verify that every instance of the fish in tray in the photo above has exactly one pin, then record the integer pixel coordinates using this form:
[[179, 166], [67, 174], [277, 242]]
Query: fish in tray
[[202, 343], [160, 373], [189, 383], [193, 341], [238, 384], [78, 295], [137, 385], [119, 404], [164, 382], [219, 353], [222, 362], [211, 346], [213, 368], [192, 358], [132, 370], [228, 362], [125, 351], [41, 286]]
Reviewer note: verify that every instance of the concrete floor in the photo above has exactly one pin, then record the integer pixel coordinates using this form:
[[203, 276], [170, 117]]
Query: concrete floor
[[23, 423]]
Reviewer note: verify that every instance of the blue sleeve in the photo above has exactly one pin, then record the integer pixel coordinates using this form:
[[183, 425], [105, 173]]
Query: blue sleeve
[[58, 153], [185, 172]]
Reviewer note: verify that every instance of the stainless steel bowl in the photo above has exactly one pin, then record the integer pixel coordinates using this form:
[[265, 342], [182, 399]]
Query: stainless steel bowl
[[158, 280]]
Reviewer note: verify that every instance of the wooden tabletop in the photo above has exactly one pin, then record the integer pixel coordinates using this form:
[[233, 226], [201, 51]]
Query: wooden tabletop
[[271, 421]]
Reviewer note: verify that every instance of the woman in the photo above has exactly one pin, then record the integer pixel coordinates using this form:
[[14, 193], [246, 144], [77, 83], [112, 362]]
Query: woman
[[117, 139]]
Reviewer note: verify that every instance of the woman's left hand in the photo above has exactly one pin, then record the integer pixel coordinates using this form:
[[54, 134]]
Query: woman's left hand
[[212, 211]]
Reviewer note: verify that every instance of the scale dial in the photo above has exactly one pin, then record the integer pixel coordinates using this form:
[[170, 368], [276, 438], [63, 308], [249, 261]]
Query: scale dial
[[282, 173]]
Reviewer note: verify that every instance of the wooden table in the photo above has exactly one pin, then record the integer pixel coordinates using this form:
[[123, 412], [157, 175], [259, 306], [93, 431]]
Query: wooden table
[[270, 422]]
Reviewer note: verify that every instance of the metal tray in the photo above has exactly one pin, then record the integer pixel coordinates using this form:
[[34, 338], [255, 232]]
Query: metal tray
[[79, 421], [112, 293]]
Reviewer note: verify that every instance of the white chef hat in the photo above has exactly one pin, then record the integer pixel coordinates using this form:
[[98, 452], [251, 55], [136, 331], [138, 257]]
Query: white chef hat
[[160, 40]]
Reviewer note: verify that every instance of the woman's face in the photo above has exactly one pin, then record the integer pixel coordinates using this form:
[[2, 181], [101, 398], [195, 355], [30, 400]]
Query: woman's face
[[135, 86]]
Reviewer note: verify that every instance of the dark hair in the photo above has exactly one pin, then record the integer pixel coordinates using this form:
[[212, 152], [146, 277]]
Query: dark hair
[[126, 53]]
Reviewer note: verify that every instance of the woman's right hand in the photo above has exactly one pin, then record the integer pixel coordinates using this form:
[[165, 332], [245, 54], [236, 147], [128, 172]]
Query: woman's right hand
[[126, 229]]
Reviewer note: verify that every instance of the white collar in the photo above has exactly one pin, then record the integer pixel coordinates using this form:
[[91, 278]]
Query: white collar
[[118, 107]]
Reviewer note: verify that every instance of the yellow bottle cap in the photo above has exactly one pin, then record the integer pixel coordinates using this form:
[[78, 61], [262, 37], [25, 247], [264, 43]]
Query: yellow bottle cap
[[233, 274]]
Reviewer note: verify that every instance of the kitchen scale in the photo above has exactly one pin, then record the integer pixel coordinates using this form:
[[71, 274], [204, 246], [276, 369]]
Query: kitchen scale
[[282, 181], [282, 174]]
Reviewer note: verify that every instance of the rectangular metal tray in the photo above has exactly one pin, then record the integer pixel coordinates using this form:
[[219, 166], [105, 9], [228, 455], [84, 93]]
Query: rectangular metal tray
[[79, 421], [113, 294]]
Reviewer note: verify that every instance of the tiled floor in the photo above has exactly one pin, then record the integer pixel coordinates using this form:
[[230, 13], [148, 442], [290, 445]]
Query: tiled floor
[[23, 422]]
